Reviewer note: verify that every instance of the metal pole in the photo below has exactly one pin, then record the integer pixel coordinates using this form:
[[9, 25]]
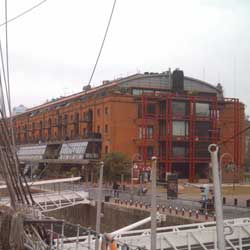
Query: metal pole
[[213, 150], [31, 172], [132, 182], [89, 239], [153, 204], [140, 183], [77, 236], [51, 236], [131, 226], [62, 239], [99, 204], [122, 180], [234, 178]]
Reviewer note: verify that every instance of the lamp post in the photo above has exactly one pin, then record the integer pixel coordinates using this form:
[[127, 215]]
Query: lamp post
[[99, 204], [213, 150], [134, 166], [153, 204]]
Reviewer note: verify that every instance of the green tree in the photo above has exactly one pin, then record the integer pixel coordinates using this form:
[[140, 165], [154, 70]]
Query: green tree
[[116, 164]]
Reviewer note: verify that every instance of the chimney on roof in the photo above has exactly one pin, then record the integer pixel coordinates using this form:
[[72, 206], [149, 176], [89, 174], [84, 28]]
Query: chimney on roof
[[105, 82], [178, 81]]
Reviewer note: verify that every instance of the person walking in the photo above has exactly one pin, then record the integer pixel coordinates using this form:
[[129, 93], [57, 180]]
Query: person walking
[[115, 189]]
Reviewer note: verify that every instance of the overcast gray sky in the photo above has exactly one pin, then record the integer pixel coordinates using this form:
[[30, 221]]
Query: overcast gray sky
[[53, 49]]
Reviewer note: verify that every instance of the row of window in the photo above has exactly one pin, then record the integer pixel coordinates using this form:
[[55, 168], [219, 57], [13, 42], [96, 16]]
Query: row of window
[[142, 91], [178, 108], [106, 129], [179, 128], [106, 111], [87, 116], [177, 151], [148, 133], [147, 91]]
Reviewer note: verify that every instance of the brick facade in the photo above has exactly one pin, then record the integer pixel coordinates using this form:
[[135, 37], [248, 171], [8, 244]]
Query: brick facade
[[114, 114]]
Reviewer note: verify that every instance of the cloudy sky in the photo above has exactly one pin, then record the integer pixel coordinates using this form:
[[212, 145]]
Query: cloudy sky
[[52, 49]]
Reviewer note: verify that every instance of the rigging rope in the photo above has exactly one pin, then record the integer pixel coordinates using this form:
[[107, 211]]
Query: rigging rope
[[23, 13], [234, 136], [103, 41]]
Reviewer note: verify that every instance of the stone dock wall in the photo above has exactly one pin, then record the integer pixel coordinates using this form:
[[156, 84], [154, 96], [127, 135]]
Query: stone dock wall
[[114, 216]]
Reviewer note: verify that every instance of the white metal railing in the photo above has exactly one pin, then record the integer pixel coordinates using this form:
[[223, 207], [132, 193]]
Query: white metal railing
[[50, 201], [53, 201], [200, 235]]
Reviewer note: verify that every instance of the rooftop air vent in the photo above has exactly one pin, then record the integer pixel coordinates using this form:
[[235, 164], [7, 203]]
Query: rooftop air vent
[[86, 87]]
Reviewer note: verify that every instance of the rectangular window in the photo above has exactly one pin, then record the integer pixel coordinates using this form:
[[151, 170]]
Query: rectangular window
[[202, 129], [140, 133], [180, 128], [136, 91], [98, 112], [202, 109], [163, 108], [150, 132], [106, 110], [151, 108], [179, 151], [178, 108], [98, 129], [201, 150], [162, 128], [106, 128], [106, 149], [150, 151], [148, 91]]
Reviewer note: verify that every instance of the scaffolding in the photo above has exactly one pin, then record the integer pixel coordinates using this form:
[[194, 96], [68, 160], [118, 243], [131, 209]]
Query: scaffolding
[[188, 123]]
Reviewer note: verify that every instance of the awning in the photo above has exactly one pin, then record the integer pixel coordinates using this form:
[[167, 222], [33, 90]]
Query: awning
[[31, 152], [72, 151]]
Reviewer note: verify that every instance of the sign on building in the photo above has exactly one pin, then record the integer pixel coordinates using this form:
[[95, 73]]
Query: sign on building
[[172, 186]]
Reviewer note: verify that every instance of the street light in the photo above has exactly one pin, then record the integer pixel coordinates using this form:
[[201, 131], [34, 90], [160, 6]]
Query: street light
[[153, 204], [99, 204], [213, 150], [221, 158]]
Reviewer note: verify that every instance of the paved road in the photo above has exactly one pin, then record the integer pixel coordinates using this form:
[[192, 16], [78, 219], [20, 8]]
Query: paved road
[[229, 211]]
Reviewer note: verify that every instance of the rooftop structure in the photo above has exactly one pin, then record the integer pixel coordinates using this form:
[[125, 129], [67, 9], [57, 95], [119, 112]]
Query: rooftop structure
[[19, 109]]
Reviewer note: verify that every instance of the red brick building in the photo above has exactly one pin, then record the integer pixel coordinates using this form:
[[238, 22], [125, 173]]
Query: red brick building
[[167, 115]]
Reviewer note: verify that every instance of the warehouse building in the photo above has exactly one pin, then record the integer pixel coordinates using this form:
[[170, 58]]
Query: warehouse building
[[167, 115]]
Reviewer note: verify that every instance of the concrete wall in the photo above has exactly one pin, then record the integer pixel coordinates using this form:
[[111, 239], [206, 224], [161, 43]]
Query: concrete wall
[[115, 217]]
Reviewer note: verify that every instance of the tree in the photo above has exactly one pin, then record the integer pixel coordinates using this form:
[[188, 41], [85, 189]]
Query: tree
[[116, 164]]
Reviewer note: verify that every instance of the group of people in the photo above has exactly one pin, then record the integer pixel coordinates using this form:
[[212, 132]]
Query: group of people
[[141, 190]]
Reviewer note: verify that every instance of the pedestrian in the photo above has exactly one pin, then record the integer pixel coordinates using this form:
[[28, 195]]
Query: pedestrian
[[115, 189]]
